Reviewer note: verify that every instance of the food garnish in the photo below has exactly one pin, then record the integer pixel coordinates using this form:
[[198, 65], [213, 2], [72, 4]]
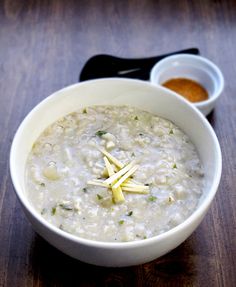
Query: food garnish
[[152, 198], [97, 182], [53, 211], [66, 206], [100, 133], [125, 176], [43, 211], [171, 199], [99, 197], [120, 173], [116, 192], [119, 180], [84, 189], [112, 158]]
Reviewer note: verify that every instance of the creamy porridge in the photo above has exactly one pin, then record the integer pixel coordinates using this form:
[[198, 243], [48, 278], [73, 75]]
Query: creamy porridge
[[114, 174]]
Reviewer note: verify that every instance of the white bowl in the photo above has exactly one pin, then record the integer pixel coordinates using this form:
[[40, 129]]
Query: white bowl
[[192, 67], [145, 96]]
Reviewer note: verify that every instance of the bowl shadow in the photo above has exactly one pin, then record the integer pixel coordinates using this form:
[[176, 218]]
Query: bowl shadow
[[53, 268]]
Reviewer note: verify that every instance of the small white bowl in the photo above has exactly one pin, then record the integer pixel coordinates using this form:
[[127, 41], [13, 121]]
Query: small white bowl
[[145, 96], [192, 67]]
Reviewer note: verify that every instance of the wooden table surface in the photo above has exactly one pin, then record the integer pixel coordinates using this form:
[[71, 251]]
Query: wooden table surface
[[43, 47]]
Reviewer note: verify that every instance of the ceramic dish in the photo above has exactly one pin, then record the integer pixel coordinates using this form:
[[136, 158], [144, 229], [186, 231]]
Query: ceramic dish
[[192, 67], [145, 96]]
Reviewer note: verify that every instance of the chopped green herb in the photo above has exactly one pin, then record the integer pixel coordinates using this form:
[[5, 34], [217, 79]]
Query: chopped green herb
[[152, 198], [140, 134], [147, 184], [100, 133], [42, 184], [174, 166], [66, 206], [43, 211], [99, 197], [85, 190], [130, 213], [53, 211], [139, 236], [84, 111], [136, 118], [171, 132], [121, 222], [132, 154]]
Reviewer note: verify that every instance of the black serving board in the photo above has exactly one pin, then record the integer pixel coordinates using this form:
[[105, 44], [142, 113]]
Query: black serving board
[[103, 66]]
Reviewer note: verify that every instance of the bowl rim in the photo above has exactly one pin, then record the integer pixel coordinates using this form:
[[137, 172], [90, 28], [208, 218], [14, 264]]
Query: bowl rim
[[105, 244], [195, 59]]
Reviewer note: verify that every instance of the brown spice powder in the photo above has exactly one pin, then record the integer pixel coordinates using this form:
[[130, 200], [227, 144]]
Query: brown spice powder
[[191, 90]]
